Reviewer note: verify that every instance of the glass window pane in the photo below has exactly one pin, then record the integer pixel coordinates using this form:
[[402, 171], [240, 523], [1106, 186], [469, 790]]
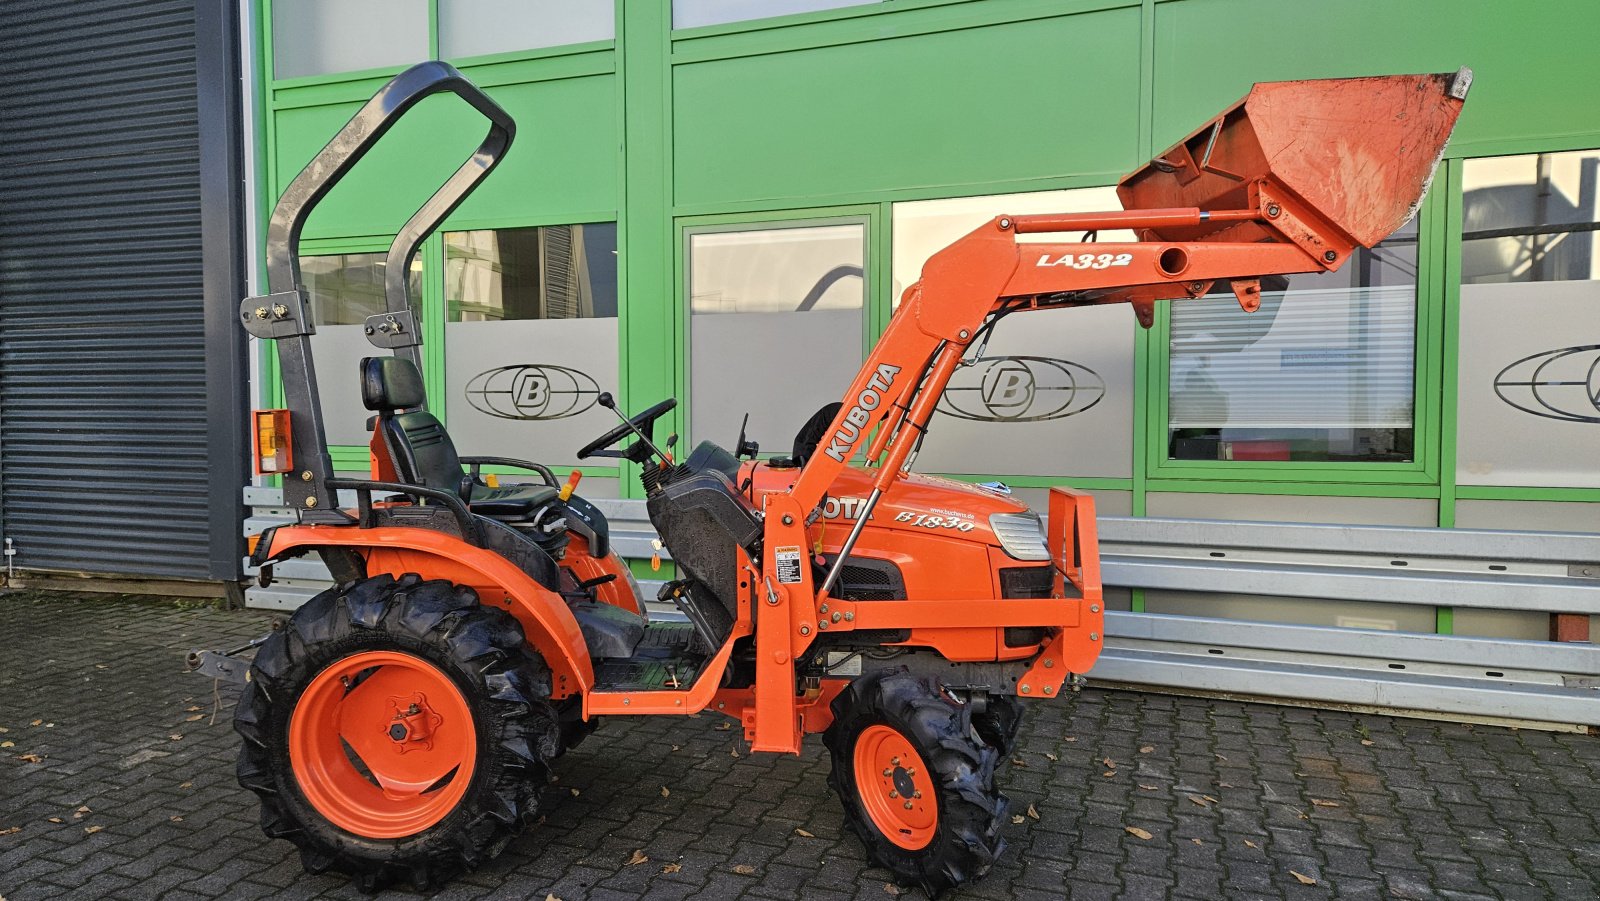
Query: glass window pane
[[776, 328], [345, 289], [1530, 218], [1528, 383], [530, 339], [1323, 371], [318, 37], [1052, 392], [478, 27], [693, 13]]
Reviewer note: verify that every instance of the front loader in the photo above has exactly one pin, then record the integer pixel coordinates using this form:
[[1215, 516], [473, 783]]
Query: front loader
[[401, 725]]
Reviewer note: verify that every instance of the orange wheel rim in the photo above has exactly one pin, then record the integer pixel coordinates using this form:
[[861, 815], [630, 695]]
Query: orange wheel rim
[[896, 788], [383, 744]]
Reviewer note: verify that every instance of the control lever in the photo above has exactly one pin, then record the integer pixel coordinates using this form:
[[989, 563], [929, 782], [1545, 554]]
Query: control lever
[[742, 447], [606, 400]]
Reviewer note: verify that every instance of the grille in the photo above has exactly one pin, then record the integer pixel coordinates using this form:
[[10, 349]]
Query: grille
[[1026, 582]]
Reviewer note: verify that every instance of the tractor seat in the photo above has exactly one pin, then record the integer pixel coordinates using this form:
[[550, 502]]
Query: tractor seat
[[421, 449]]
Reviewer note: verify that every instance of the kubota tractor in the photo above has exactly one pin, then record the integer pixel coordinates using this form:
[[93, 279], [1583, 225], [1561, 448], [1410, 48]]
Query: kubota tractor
[[400, 725]]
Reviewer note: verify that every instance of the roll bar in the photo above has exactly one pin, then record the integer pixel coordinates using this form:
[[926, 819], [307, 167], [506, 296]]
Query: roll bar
[[284, 315]]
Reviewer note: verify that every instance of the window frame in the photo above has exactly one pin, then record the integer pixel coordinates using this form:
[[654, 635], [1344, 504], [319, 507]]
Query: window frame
[[875, 301], [1427, 380]]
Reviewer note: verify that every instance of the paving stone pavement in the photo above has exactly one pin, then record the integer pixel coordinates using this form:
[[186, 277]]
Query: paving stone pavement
[[132, 795]]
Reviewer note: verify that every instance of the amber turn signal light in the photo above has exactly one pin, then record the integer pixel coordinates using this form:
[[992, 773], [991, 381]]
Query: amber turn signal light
[[274, 451]]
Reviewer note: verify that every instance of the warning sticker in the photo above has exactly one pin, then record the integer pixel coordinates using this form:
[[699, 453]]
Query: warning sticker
[[788, 564]]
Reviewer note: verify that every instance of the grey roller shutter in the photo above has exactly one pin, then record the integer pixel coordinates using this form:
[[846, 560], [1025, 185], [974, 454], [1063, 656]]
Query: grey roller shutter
[[104, 443]]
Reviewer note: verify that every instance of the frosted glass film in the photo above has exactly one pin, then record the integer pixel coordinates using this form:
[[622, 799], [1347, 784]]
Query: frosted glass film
[[693, 13], [776, 328], [320, 37], [478, 27], [1052, 393], [344, 290]]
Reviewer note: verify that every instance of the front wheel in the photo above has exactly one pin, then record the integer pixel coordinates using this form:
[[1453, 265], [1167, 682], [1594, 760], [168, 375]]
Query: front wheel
[[396, 730], [916, 780]]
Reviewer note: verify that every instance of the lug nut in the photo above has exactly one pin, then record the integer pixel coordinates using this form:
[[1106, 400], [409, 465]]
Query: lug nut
[[908, 805], [895, 762], [888, 772], [917, 795], [893, 793]]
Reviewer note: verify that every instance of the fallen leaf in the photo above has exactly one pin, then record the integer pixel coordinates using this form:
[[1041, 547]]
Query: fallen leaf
[[195, 718], [1069, 738], [1050, 756], [1018, 761], [665, 793], [1304, 879], [1033, 811], [733, 752], [4, 730], [550, 897], [191, 708], [55, 819], [1211, 799], [637, 858], [672, 868], [1250, 844], [1109, 773], [176, 736], [11, 831], [892, 889], [175, 818], [186, 785], [79, 813], [1017, 820], [1148, 788], [1219, 757], [1136, 832], [102, 666], [674, 747], [37, 723], [1319, 802], [1197, 841], [744, 869], [1110, 764], [1367, 742], [8, 744], [575, 792], [49, 725], [1146, 749], [724, 726], [1224, 785], [91, 830], [31, 758], [803, 834], [1198, 800]]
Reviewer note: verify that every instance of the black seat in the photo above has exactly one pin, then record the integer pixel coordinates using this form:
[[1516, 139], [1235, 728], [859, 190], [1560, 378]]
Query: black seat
[[421, 449]]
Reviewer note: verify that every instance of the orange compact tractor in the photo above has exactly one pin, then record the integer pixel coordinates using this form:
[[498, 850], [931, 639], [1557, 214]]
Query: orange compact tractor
[[400, 725]]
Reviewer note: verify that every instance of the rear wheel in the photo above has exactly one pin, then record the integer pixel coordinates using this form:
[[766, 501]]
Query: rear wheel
[[916, 781], [396, 730]]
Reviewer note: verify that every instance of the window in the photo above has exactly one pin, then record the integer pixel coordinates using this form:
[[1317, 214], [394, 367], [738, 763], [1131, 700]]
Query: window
[[1051, 394], [1323, 371], [478, 27], [530, 338], [694, 13], [1528, 385], [1531, 218], [344, 290], [776, 327], [317, 37]]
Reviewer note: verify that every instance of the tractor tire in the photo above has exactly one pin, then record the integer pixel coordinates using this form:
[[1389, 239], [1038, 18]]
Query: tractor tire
[[895, 735], [999, 723], [397, 731]]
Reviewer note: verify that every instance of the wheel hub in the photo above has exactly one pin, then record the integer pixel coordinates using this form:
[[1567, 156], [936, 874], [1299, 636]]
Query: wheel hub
[[413, 723], [895, 788]]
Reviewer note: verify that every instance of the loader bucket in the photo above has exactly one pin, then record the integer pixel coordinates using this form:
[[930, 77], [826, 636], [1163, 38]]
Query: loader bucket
[[1352, 153]]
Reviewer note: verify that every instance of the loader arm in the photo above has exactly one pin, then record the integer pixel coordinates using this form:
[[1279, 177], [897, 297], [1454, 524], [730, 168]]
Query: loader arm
[[1292, 178]]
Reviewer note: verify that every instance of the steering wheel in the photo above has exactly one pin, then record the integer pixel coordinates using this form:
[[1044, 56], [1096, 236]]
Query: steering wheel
[[644, 422]]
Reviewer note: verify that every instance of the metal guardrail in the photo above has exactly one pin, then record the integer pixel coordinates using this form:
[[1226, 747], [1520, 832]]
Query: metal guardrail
[[1444, 675]]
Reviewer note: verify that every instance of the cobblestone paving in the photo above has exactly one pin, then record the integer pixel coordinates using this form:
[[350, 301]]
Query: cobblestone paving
[[115, 783]]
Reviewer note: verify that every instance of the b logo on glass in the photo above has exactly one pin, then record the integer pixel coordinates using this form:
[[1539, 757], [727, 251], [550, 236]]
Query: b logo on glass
[[1561, 384], [1021, 389], [532, 391]]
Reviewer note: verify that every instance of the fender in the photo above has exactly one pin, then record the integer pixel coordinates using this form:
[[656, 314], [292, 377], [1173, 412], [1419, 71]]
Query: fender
[[543, 614]]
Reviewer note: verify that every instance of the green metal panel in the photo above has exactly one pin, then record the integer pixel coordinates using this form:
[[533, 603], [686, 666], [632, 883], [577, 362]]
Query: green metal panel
[[1529, 59], [1020, 100]]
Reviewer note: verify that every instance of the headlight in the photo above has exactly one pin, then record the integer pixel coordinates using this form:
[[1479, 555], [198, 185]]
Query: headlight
[[1021, 534]]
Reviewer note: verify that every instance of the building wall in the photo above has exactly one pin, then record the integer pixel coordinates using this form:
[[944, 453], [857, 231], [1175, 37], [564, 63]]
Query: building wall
[[859, 117]]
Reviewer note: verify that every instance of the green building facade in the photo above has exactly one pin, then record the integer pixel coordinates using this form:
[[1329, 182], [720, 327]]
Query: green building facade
[[720, 202]]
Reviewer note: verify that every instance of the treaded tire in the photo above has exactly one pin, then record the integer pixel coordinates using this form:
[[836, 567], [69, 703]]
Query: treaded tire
[[999, 723], [970, 809], [504, 682]]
